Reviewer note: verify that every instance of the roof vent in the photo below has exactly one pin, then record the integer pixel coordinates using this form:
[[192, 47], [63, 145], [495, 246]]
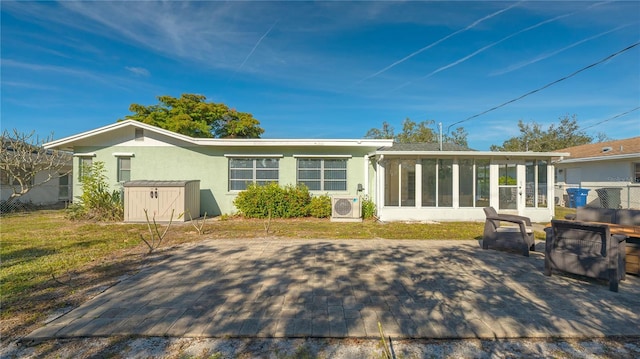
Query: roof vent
[[606, 149]]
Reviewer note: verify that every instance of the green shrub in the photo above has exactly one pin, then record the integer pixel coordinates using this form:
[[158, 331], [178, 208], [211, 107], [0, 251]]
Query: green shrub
[[260, 201], [320, 206], [368, 209], [297, 199], [96, 201]]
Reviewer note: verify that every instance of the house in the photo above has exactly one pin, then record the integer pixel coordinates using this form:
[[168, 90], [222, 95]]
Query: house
[[47, 191], [405, 181], [609, 170]]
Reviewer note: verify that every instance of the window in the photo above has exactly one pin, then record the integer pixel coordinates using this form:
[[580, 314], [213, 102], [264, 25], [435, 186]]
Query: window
[[637, 172], [437, 183], [536, 175], [85, 163], [124, 169], [465, 169], [7, 179], [541, 185], [400, 179], [323, 174], [243, 171], [64, 186], [482, 183]]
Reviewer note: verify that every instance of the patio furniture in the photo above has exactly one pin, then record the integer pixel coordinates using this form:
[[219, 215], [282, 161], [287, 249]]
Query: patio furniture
[[628, 217], [587, 249], [517, 236]]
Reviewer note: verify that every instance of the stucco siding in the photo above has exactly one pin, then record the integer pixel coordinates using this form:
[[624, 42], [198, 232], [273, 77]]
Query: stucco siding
[[211, 167]]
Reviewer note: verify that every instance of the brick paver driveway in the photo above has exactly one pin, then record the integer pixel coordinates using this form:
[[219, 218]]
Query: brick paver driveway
[[343, 288]]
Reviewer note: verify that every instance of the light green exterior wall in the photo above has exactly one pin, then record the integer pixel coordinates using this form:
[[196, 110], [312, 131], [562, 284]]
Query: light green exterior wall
[[210, 166]]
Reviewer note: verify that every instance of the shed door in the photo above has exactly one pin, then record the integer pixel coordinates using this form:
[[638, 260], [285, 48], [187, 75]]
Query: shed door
[[168, 199], [139, 199]]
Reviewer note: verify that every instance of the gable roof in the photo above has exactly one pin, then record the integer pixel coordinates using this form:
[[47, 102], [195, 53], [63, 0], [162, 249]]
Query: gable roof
[[69, 142], [610, 150]]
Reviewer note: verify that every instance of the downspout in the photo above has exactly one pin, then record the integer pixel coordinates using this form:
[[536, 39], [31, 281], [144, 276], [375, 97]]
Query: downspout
[[366, 175]]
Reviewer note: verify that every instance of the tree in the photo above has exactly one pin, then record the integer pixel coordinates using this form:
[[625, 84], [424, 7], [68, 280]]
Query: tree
[[534, 138], [417, 132], [386, 132], [191, 115], [22, 158]]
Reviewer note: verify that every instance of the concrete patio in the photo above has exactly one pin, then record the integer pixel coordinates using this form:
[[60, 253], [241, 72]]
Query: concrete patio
[[343, 288]]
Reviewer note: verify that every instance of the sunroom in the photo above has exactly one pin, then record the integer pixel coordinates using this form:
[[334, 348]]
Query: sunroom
[[420, 182]]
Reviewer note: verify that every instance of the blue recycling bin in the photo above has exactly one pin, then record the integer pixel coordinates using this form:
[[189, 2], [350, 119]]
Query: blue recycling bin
[[577, 197]]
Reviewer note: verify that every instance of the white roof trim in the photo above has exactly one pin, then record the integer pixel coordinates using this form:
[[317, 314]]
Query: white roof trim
[[322, 156], [249, 155], [601, 158], [473, 154], [238, 142]]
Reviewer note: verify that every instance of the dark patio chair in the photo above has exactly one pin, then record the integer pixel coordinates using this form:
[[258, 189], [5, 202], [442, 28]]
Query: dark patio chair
[[586, 249], [517, 236]]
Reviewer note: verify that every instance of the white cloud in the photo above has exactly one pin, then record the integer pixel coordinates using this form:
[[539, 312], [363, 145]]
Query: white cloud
[[138, 71]]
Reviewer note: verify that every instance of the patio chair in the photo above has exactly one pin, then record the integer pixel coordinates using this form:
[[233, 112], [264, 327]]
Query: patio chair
[[518, 237], [586, 249]]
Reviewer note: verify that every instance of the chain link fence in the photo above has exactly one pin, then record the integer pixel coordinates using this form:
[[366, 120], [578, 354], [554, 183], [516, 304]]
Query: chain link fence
[[620, 196], [18, 206]]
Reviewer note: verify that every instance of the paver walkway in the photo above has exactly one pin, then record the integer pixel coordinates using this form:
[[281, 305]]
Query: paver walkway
[[343, 288]]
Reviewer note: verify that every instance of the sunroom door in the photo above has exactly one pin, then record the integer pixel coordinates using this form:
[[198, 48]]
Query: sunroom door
[[509, 186]]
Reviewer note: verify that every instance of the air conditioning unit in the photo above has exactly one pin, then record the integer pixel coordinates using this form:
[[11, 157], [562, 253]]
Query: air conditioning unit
[[346, 209]]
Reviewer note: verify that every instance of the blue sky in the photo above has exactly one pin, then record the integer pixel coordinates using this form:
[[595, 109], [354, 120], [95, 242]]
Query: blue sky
[[325, 69]]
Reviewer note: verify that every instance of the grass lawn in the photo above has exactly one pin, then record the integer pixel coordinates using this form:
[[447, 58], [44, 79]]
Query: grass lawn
[[49, 262]]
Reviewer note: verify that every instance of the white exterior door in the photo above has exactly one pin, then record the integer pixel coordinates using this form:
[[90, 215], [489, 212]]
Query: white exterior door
[[508, 182]]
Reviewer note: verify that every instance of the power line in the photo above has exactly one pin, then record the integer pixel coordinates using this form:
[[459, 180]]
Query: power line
[[612, 118], [547, 85]]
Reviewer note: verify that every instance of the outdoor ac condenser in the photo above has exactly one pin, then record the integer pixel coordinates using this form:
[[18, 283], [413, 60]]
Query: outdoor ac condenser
[[346, 208]]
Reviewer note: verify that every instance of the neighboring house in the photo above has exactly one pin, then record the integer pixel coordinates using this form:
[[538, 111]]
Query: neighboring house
[[58, 189], [610, 170], [406, 181]]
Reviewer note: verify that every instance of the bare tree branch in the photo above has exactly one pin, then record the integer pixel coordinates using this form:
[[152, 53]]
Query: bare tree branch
[[22, 158]]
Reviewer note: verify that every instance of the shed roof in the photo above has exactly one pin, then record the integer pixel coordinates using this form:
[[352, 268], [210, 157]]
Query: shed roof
[[153, 183]]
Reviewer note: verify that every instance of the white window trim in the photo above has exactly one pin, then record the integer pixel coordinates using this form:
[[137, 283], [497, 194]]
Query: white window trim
[[123, 154], [88, 154], [322, 180], [250, 156], [323, 156]]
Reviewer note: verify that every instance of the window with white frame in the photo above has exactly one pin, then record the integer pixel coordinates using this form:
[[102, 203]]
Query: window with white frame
[[85, 163], [323, 174], [400, 181], [243, 171], [124, 169], [536, 187], [637, 173], [437, 183], [64, 186]]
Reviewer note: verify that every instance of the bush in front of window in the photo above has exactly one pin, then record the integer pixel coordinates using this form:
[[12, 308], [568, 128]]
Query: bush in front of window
[[96, 201], [262, 201], [320, 206]]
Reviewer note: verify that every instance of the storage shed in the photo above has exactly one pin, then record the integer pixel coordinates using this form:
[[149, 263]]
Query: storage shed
[[160, 198]]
